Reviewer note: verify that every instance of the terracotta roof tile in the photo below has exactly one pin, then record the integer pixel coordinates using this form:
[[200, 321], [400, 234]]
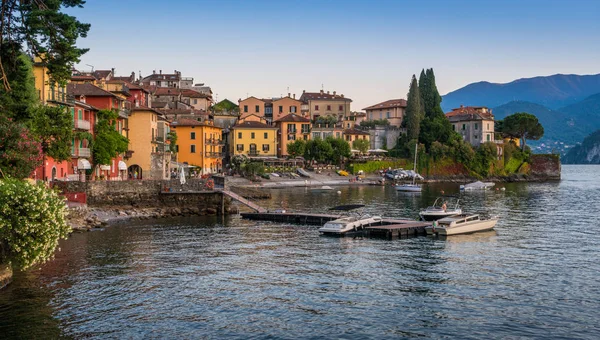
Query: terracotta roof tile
[[252, 125], [355, 132], [292, 117], [187, 122], [306, 96], [88, 90], [470, 113], [388, 104]]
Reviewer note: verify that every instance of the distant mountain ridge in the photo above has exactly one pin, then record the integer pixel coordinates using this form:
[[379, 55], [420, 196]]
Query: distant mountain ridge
[[586, 153], [554, 91]]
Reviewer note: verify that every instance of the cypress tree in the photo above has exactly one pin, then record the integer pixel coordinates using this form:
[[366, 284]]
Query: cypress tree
[[433, 105], [414, 110]]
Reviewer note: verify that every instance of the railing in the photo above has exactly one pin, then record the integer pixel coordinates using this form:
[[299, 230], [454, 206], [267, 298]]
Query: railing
[[61, 97], [158, 139], [304, 131], [124, 113], [253, 153], [291, 131], [214, 154], [82, 124], [80, 152], [214, 141]]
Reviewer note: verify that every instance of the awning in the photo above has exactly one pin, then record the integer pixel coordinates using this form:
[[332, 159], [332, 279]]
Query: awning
[[377, 151], [122, 166], [83, 164]]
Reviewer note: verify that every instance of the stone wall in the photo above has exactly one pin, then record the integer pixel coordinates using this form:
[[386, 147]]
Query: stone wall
[[545, 167]]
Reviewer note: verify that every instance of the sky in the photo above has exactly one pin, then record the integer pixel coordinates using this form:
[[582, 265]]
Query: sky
[[366, 50]]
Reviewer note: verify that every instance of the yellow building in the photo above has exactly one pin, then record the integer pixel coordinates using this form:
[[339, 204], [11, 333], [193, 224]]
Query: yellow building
[[291, 127], [49, 92], [350, 135], [252, 137], [147, 139], [199, 144]]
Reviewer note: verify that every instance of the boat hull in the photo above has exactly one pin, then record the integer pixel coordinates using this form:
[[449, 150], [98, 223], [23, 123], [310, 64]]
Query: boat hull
[[408, 188], [437, 216], [480, 225]]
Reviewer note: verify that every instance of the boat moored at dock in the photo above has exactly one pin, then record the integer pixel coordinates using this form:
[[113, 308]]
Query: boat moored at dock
[[460, 224]]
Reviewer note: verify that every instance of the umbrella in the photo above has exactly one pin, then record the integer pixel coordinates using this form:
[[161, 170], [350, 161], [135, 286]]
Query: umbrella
[[377, 151], [182, 177]]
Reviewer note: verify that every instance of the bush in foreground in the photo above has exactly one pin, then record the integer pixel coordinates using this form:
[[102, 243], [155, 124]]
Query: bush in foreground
[[32, 220]]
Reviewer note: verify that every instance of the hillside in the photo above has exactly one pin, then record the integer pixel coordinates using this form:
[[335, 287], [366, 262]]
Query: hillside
[[586, 153], [551, 91], [559, 127]]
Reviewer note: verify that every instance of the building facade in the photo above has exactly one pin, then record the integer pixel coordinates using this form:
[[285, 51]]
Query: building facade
[[317, 104], [291, 127], [392, 110], [474, 123], [254, 138], [199, 144]]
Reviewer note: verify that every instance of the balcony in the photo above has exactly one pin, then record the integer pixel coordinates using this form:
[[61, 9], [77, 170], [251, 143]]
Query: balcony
[[80, 152], [82, 124], [158, 140], [60, 97], [214, 141], [214, 154], [253, 153], [305, 131], [290, 131]]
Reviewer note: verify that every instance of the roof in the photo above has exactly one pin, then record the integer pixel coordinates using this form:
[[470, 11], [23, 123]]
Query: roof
[[88, 90], [292, 117], [166, 91], [82, 77], [159, 105], [189, 122], [355, 132], [388, 104], [184, 112], [252, 125], [99, 74], [465, 113], [193, 94], [145, 108], [162, 76], [306, 96]]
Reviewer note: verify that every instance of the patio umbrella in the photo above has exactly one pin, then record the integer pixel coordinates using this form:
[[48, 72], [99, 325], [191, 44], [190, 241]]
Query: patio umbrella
[[182, 177]]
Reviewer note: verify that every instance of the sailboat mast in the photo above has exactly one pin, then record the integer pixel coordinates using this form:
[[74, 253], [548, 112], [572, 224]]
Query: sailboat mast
[[415, 166]]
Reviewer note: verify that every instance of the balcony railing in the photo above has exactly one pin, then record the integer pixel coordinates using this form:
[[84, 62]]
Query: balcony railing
[[305, 131], [253, 153], [158, 139], [80, 152], [60, 97], [214, 141], [214, 154], [82, 124]]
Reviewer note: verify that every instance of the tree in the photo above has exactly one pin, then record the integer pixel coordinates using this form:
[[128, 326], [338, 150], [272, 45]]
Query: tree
[[108, 142], [361, 145], [328, 120], [20, 153], [172, 138], [524, 126], [45, 31], [317, 150], [414, 111], [340, 149], [31, 223], [296, 148], [53, 126], [17, 102], [435, 126]]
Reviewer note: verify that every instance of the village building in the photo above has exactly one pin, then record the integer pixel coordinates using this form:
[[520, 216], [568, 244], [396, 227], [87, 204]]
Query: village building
[[199, 144], [253, 137], [474, 123], [291, 127], [392, 110], [317, 104]]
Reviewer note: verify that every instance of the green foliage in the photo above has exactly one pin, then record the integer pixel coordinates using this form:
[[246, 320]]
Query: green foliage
[[20, 153], [328, 120], [400, 150], [485, 155], [46, 31], [585, 152], [253, 169], [225, 105], [172, 138], [361, 145], [438, 151], [340, 149], [374, 166], [108, 142], [414, 110], [238, 162], [17, 102], [32, 220], [296, 148], [318, 150], [434, 126], [374, 123], [53, 126], [524, 126]]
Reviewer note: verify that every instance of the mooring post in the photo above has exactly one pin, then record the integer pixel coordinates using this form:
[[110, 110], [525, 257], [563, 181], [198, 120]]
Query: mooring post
[[222, 204]]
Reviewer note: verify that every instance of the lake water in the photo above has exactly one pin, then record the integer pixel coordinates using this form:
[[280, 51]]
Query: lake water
[[536, 275]]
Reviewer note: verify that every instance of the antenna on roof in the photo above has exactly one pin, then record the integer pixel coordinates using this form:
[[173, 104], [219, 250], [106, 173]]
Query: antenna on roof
[[92, 66], [322, 86]]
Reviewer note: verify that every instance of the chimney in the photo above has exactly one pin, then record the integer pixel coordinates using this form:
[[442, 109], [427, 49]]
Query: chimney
[[327, 92], [175, 71], [153, 71], [303, 91], [341, 95], [132, 77], [334, 93], [160, 71], [113, 71], [321, 91], [82, 99], [289, 94], [461, 106], [294, 96]]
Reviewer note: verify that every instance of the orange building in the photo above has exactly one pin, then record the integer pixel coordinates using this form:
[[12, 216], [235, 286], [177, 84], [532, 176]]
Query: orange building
[[291, 127]]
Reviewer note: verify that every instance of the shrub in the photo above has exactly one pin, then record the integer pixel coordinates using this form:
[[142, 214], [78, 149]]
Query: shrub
[[32, 220]]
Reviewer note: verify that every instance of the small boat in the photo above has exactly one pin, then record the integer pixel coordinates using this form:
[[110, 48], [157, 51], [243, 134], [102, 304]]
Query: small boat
[[411, 187], [321, 188], [302, 172], [477, 186], [274, 174], [460, 224], [435, 212], [348, 224]]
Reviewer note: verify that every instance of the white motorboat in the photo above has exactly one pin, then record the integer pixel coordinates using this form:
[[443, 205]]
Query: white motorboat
[[437, 211], [347, 224], [460, 224], [413, 187], [477, 186], [321, 188]]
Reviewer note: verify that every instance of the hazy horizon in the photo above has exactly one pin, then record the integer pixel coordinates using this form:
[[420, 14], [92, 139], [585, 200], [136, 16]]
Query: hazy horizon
[[367, 51]]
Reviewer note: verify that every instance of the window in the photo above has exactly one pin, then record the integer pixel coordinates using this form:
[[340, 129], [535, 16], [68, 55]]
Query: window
[[380, 115], [266, 135], [328, 107], [195, 101], [268, 110], [245, 108], [193, 148], [488, 126], [291, 128], [488, 137], [291, 137], [316, 107], [239, 135], [252, 135], [266, 147], [388, 115], [257, 108], [192, 135], [476, 127], [453, 127], [80, 114], [337, 135], [280, 109], [305, 137], [316, 135], [240, 147], [348, 137], [293, 109], [464, 126]]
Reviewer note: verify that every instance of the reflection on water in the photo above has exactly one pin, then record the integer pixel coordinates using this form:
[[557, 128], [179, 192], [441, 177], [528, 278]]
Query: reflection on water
[[534, 276]]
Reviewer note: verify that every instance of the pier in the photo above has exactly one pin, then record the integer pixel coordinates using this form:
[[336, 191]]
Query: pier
[[388, 228]]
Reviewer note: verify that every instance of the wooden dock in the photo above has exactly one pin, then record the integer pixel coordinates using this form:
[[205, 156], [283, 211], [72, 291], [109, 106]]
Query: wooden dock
[[389, 227], [242, 200]]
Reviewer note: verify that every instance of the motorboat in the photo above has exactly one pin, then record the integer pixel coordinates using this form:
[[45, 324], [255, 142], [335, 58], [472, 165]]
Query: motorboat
[[321, 188], [348, 224], [460, 224], [437, 210], [411, 187], [302, 172], [477, 186]]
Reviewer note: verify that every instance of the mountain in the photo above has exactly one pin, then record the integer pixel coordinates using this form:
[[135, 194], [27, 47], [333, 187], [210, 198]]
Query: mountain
[[586, 153], [554, 91], [585, 113]]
